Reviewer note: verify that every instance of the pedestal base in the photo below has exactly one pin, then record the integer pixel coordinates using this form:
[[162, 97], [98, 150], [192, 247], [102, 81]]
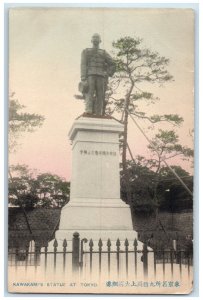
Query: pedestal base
[[95, 219], [95, 209]]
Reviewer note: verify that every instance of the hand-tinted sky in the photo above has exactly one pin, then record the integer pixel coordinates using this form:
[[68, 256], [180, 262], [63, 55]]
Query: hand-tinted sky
[[44, 70]]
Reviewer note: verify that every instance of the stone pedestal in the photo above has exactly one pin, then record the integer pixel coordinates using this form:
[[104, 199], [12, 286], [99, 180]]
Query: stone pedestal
[[95, 209]]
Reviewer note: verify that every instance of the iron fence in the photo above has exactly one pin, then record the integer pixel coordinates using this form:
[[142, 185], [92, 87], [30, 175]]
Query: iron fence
[[122, 258]]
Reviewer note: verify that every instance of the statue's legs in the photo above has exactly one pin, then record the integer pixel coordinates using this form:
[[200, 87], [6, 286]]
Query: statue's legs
[[100, 95], [89, 97], [96, 85], [88, 105]]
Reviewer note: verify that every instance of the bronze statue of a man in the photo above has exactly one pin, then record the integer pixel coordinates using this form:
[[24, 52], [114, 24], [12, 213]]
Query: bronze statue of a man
[[96, 66]]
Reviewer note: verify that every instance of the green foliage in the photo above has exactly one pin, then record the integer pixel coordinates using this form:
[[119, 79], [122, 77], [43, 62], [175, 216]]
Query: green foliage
[[139, 64], [20, 122], [141, 185], [166, 172], [166, 145], [149, 193], [136, 64], [171, 192], [145, 183], [173, 118], [37, 190], [52, 190]]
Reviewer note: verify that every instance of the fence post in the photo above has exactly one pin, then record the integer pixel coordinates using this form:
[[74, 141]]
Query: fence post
[[75, 252], [91, 244], [55, 252], [145, 260], [126, 256], [64, 254], [109, 255], [118, 256], [81, 254], [135, 253]]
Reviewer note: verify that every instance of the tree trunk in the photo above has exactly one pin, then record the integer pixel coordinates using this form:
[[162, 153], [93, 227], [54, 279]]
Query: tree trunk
[[125, 136], [21, 206], [124, 150], [126, 176]]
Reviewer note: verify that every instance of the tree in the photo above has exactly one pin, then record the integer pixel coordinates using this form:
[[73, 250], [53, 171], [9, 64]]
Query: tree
[[148, 195], [165, 146], [141, 185], [20, 122], [21, 187], [52, 190], [136, 65], [30, 190], [174, 196], [150, 173]]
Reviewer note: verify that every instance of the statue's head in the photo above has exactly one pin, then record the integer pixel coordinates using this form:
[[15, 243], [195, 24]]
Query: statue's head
[[96, 39]]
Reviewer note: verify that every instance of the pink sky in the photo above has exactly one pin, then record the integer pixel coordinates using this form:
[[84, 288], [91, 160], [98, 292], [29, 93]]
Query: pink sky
[[45, 46]]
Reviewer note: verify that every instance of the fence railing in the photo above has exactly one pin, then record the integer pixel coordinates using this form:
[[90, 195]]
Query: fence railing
[[121, 259]]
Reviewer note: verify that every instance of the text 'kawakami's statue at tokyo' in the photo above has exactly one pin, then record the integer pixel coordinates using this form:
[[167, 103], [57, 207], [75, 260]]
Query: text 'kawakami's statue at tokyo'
[[96, 67]]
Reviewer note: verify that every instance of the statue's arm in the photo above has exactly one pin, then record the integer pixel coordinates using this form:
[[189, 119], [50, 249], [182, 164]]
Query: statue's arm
[[111, 64], [83, 65]]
